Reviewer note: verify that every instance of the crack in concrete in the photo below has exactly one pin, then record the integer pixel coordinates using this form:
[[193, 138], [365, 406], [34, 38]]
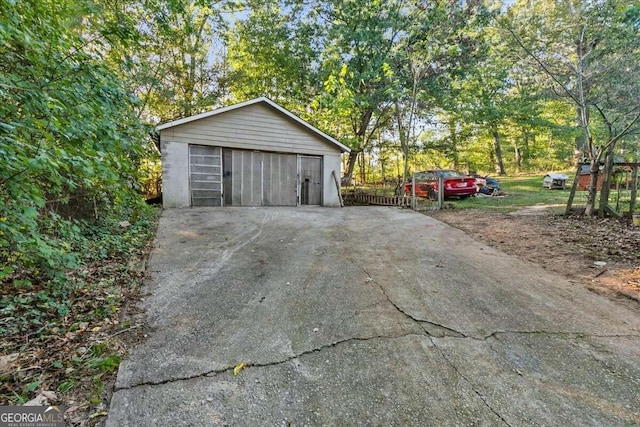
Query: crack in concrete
[[431, 330], [471, 384], [495, 334], [442, 331], [247, 365], [445, 330]]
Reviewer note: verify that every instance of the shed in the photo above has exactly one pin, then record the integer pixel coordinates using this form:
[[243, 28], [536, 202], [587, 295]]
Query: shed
[[255, 153]]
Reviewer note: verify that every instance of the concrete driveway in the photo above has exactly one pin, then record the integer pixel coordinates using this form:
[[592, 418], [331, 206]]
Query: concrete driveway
[[367, 316]]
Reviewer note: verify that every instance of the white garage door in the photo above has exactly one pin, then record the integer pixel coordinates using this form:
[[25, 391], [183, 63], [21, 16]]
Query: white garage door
[[205, 175], [262, 179], [234, 177]]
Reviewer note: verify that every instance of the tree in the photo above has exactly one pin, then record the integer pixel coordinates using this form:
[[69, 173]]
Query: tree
[[273, 52], [355, 69], [589, 51], [70, 141], [166, 52], [488, 96], [441, 43]]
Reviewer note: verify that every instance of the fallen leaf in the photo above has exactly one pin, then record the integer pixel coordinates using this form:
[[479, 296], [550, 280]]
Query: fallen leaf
[[7, 361], [99, 414], [239, 367], [39, 400], [50, 395]]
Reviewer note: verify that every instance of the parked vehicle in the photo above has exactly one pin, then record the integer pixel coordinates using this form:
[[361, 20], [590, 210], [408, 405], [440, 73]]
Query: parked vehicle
[[487, 185], [455, 184]]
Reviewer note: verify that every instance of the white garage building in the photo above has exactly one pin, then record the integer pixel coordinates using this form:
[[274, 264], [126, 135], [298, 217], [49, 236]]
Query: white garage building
[[255, 153]]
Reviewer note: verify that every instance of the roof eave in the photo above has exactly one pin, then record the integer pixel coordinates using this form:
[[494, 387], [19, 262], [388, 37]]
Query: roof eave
[[266, 100]]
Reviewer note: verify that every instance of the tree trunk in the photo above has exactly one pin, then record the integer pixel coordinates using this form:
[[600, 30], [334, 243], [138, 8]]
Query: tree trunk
[[518, 160], [592, 191], [351, 164], [529, 140], [497, 148], [492, 154], [606, 182], [453, 136], [405, 159], [404, 144], [582, 120], [403, 135], [360, 134]]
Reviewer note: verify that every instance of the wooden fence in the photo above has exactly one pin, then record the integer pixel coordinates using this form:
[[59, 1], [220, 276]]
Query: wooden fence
[[382, 200], [412, 202]]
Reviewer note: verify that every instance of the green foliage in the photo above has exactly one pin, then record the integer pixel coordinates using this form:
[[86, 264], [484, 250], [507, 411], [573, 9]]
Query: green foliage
[[40, 303], [67, 385], [70, 146], [167, 52], [69, 323], [103, 358], [272, 53]]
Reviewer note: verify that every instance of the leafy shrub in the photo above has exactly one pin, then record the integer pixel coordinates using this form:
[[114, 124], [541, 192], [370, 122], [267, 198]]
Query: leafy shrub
[[70, 150]]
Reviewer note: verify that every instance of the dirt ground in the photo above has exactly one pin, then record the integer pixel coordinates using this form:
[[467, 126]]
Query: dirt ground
[[601, 254]]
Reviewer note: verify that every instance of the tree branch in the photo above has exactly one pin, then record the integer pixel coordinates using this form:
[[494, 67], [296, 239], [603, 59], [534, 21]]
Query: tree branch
[[544, 67]]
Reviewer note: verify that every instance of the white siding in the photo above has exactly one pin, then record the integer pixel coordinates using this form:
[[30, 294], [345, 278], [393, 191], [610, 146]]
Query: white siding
[[254, 127], [330, 164], [175, 175]]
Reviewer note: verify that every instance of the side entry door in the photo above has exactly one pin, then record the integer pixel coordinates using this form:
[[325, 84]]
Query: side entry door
[[310, 180]]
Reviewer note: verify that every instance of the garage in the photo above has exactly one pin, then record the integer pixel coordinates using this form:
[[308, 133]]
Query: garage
[[255, 153]]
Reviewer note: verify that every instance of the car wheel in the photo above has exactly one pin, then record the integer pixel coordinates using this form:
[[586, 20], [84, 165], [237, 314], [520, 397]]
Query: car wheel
[[433, 194]]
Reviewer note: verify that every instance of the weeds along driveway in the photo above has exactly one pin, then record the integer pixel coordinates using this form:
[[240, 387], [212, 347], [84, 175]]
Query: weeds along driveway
[[368, 316]]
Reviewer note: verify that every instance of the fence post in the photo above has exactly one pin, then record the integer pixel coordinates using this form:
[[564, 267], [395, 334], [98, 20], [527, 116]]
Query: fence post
[[440, 192], [634, 189], [413, 191], [574, 187]]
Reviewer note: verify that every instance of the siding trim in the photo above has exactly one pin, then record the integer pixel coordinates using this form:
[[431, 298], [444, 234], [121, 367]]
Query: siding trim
[[269, 102]]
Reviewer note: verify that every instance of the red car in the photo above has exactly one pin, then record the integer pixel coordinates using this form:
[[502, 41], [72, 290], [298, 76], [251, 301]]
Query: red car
[[455, 184]]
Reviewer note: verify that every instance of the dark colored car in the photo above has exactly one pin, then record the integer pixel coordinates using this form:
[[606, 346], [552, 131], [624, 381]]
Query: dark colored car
[[488, 186], [455, 184]]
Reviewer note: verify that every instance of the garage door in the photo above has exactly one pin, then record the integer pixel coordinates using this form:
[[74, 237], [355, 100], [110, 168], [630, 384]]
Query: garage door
[[261, 179], [310, 180], [205, 175], [279, 179]]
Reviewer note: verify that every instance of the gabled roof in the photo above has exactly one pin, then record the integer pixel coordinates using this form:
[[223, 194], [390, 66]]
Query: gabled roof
[[267, 101]]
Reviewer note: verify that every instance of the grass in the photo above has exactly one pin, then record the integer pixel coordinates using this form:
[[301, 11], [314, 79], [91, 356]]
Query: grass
[[520, 191]]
